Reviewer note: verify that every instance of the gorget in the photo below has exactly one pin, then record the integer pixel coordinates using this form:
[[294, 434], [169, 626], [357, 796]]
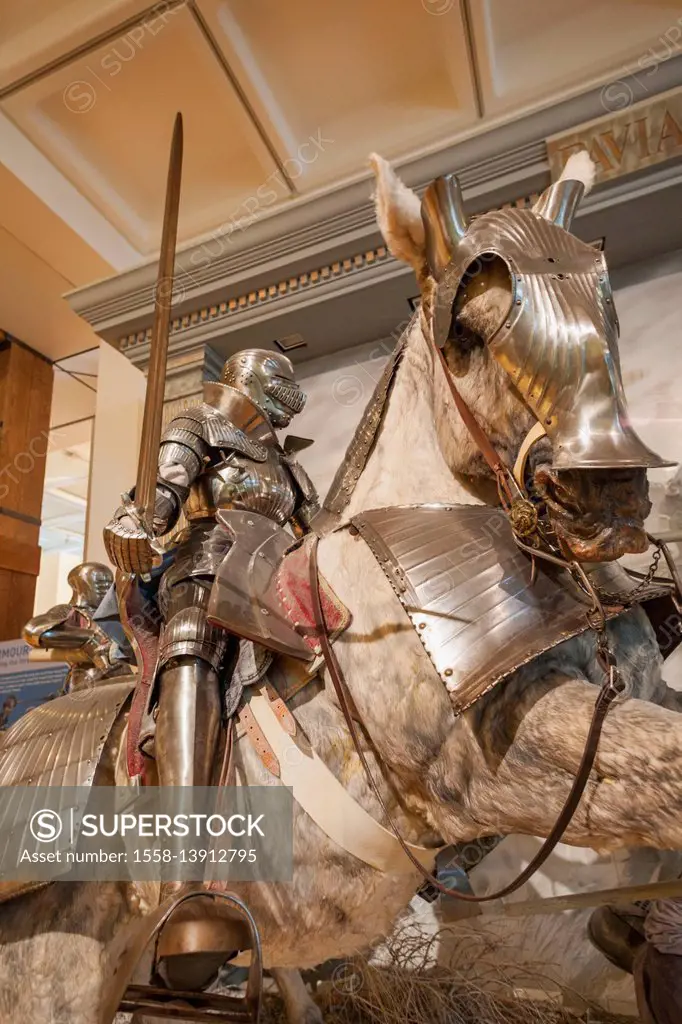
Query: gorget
[[466, 588], [241, 411]]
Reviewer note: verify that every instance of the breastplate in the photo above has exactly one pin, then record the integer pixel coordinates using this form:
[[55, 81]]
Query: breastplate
[[239, 483]]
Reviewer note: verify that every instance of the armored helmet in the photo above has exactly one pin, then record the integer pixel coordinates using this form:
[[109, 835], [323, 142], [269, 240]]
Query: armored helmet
[[559, 338], [89, 582], [267, 378]]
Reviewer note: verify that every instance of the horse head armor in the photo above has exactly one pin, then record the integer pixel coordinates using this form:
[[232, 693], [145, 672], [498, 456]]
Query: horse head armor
[[559, 338]]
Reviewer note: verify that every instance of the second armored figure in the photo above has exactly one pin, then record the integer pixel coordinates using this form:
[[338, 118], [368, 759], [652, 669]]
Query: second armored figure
[[222, 454], [71, 631]]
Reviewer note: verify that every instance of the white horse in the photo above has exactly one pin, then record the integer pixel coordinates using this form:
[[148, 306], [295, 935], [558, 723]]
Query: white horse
[[503, 766]]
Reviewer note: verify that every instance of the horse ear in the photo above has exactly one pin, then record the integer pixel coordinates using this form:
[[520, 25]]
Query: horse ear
[[399, 215], [560, 201]]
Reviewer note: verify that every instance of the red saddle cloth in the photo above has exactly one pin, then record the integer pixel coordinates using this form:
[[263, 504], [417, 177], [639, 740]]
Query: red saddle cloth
[[292, 585]]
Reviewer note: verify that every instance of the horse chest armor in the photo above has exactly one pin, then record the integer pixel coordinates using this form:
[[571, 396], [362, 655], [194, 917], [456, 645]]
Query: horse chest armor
[[241, 483], [467, 589]]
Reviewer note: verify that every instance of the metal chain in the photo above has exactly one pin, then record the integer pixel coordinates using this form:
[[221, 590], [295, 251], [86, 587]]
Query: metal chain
[[628, 597]]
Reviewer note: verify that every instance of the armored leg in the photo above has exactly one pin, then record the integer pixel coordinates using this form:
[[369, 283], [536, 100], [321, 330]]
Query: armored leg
[[188, 723], [188, 692]]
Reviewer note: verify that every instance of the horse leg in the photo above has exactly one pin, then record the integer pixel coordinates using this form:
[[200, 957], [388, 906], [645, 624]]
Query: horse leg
[[511, 764], [52, 948], [299, 1005]]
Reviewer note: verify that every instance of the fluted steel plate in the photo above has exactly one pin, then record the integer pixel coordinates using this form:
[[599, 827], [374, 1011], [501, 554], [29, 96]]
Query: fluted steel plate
[[466, 587], [60, 742], [559, 339]]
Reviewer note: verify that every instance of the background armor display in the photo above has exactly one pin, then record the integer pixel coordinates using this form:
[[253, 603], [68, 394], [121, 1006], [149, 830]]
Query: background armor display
[[72, 632]]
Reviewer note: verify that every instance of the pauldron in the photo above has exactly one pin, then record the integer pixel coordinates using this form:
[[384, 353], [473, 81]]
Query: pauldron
[[189, 436]]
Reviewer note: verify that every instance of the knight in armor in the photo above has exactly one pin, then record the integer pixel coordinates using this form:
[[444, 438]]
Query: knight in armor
[[72, 632], [220, 455]]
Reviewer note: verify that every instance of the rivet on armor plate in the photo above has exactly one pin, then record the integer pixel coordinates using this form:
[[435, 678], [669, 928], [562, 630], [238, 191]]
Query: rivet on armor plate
[[422, 625], [448, 671]]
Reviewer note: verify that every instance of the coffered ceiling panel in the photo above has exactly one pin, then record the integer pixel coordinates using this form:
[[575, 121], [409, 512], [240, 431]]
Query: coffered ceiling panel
[[35, 32], [105, 121], [331, 82], [531, 50]]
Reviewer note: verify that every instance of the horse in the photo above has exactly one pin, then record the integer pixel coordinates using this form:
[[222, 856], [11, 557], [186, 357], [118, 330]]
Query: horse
[[504, 765]]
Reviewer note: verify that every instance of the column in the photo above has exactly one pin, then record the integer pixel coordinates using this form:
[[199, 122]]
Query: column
[[25, 401], [115, 443]]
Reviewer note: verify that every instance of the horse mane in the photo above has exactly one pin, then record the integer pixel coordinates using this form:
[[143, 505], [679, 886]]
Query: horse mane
[[364, 438]]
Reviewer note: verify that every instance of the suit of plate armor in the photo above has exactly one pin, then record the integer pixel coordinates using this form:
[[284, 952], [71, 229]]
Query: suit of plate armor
[[222, 454], [71, 630]]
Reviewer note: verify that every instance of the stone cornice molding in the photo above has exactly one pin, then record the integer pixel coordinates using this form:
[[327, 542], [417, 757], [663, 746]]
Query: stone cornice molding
[[222, 278]]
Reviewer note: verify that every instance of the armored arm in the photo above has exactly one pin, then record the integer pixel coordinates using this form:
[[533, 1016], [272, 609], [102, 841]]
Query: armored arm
[[48, 630], [70, 631], [182, 453]]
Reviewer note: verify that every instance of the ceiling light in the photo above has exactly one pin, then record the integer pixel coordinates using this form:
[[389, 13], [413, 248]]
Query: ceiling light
[[290, 342]]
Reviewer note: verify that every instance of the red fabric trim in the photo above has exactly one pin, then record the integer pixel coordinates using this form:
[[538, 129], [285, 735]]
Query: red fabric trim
[[293, 589]]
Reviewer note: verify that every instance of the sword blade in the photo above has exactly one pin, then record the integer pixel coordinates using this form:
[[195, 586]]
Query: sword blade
[[145, 489]]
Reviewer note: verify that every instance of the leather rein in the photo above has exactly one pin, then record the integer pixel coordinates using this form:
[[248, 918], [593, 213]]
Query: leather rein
[[612, 689]]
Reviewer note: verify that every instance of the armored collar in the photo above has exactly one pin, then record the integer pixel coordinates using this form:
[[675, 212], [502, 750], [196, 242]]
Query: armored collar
[[241, 411]]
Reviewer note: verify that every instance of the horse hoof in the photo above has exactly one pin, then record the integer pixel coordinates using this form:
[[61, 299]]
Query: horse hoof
[[615, 939]]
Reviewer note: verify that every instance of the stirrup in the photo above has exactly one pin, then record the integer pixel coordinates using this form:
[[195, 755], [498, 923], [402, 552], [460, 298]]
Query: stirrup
[[192, 1005]]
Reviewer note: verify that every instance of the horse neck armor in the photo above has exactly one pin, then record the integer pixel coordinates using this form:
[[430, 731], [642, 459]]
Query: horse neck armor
[[466, 588]]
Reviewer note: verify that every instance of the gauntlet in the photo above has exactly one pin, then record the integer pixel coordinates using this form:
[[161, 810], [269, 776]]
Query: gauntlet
[[129, 546]]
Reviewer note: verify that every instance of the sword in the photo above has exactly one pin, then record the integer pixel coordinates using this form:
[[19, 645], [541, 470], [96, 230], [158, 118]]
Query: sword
[[141, 630], [145, 487]]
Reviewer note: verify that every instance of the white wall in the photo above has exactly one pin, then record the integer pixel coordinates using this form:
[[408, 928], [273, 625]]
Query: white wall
[[51, 585], [115, 443], [648, 306], [338, 388]]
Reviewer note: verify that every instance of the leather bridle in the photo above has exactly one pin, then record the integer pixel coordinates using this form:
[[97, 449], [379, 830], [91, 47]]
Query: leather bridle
[[515, 504]]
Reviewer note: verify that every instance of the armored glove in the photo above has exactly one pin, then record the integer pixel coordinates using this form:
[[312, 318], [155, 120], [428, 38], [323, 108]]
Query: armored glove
[[128, 544], [101, 650]]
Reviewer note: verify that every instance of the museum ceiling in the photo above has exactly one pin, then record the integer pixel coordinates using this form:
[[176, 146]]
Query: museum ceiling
[[281, 101]]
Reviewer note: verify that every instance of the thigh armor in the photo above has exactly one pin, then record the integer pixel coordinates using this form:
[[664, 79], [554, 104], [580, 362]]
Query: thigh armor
[[183, 598]]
